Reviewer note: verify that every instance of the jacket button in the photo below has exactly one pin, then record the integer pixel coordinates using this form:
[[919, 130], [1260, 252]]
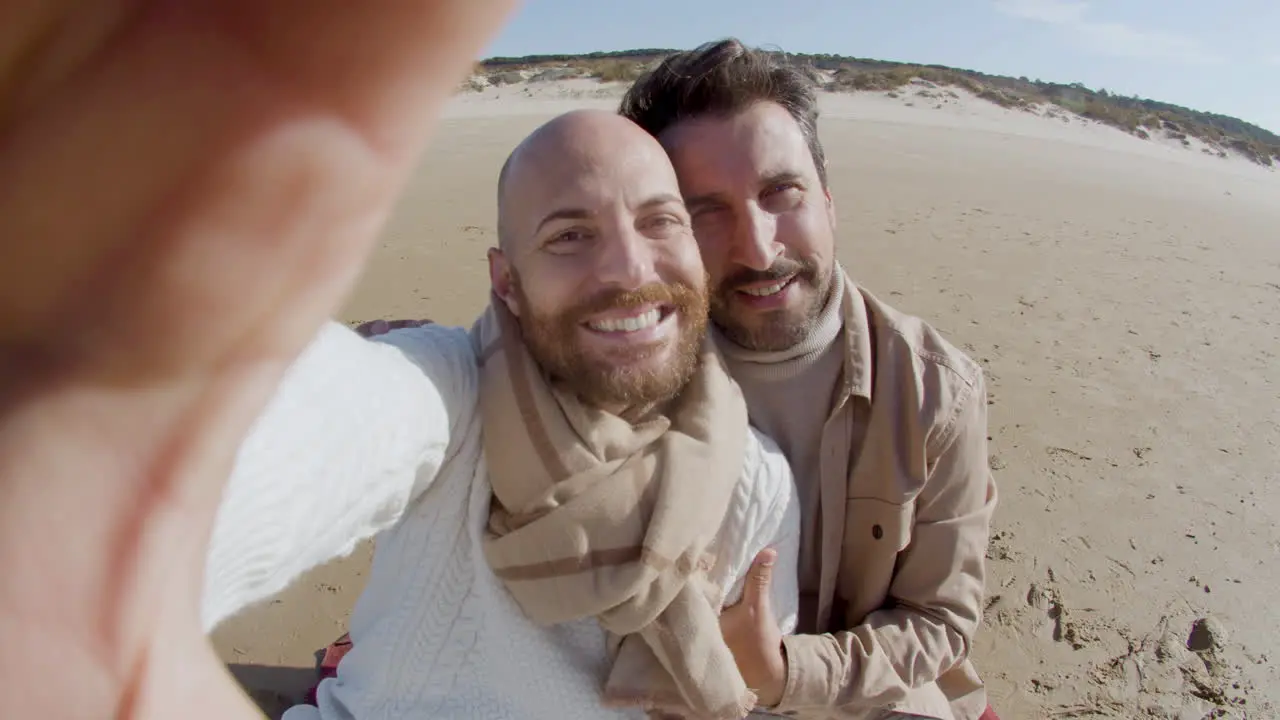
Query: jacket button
[[877, 532]]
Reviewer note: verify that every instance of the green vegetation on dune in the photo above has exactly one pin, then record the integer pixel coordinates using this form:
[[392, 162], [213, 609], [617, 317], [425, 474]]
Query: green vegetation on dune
[[1138, 116]]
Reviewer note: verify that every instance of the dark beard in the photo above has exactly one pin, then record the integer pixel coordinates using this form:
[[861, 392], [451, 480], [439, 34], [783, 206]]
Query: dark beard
[[779, 330]]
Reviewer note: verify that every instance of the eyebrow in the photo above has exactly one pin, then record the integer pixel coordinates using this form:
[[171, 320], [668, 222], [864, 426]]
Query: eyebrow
[[584, 214], [698, 201], [780, 177], [563, 214], [661, 199]]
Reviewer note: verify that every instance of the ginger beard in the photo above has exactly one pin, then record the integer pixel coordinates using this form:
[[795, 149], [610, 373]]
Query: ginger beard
[[626, 374]]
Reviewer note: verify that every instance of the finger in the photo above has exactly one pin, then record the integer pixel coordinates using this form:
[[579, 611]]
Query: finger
[[735, 624], [755, 591]]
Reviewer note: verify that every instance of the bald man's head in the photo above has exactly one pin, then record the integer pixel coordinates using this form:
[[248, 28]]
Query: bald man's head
[[570, 142], [597, 259]]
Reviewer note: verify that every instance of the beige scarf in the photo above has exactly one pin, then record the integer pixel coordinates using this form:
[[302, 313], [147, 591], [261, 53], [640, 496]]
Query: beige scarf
[[595, 517]]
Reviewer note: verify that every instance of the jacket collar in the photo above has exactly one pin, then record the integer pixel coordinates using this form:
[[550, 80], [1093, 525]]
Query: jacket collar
[[857, 336]]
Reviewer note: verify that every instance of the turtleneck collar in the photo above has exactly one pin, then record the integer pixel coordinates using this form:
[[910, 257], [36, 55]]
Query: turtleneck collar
[[791, 360]]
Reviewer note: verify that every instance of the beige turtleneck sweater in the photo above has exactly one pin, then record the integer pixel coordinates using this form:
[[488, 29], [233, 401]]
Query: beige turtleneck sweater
[[789, 395]]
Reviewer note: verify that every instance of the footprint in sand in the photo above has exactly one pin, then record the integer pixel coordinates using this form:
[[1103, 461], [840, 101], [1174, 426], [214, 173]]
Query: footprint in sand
[[1048, 622]]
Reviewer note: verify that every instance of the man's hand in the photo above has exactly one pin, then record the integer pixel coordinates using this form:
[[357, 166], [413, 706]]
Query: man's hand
[[187, 190], [751, 632], [382, 327]]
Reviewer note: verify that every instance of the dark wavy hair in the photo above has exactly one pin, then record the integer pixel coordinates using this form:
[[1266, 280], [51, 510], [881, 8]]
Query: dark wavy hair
[[723, 78]]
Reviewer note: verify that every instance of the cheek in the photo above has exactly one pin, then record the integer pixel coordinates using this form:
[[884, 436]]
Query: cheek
[[552, 290], [714, 252], [683, 259], [806, 233]]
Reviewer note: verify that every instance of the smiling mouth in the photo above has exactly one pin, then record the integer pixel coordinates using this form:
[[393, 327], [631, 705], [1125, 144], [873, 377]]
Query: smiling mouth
[[631, 323], [768, 290]]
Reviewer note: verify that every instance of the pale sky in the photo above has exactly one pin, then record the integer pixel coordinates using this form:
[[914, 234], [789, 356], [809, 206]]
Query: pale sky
[[1219, 57]]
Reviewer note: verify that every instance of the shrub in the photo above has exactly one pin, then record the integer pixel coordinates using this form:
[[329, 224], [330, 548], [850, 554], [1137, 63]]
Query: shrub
[[1110, 114], [875, 80], [1002, 98], [617, 71], [1149, 121]]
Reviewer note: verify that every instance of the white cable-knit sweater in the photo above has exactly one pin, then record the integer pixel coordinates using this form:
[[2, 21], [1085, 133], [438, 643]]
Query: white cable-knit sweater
[[384, 437]]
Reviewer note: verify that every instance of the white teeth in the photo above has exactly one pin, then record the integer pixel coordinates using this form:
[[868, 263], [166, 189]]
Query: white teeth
[[631, 324], [767, 290]]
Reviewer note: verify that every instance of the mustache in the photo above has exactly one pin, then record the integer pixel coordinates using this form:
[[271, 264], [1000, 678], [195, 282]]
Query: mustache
[[673, 294], [781, 269]]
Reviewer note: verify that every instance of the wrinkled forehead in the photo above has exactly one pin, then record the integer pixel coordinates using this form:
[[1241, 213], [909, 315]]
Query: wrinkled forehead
[[596, 178], [714, 152]]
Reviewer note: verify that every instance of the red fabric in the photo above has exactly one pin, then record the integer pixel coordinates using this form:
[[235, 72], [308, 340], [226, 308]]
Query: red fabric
[[329, 665], [989, 714]]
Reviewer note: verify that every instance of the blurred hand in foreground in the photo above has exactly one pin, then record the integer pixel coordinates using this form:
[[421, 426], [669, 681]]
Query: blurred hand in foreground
[[187, 190]]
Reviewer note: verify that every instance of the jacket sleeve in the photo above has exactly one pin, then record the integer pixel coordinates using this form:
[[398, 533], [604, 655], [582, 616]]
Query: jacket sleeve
[[936, 593], [355, 431]]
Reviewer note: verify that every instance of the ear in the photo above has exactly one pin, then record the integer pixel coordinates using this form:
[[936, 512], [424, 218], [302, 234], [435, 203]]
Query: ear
[[500, 280]]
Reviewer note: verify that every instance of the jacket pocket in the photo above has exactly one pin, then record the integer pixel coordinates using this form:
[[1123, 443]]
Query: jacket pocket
[[875, 525], [875, 532]]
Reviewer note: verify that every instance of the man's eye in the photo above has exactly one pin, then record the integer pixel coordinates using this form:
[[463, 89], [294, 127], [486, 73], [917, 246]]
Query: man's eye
[[781, 197], [663, 222], [567, 242], [568, 237]]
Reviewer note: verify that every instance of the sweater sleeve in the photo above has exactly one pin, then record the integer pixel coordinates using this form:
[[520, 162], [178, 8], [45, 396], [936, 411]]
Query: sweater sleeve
[[774, 523], [356, 431]]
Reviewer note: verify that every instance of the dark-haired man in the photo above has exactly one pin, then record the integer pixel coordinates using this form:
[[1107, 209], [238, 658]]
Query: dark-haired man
[[883, 420]]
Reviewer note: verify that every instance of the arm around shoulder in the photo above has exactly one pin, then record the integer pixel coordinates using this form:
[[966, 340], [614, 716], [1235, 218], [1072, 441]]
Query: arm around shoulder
[[355, 431]]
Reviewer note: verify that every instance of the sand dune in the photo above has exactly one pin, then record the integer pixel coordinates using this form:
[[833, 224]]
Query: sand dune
[[1122, 295]]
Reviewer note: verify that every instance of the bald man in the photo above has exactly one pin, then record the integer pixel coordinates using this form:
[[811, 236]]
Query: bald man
[[565, 495]]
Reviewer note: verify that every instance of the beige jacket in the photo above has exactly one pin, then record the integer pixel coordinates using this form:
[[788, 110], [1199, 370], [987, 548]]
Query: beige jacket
[[904, 527]]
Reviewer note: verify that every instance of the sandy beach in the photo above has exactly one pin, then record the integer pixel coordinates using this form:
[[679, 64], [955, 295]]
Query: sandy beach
[[1122, 295]]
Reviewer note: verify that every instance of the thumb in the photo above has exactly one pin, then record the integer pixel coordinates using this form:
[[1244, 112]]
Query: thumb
[[755, 591]]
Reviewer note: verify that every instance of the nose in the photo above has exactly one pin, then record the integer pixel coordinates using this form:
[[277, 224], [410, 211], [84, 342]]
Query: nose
[[755, 243], [626, 260]]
